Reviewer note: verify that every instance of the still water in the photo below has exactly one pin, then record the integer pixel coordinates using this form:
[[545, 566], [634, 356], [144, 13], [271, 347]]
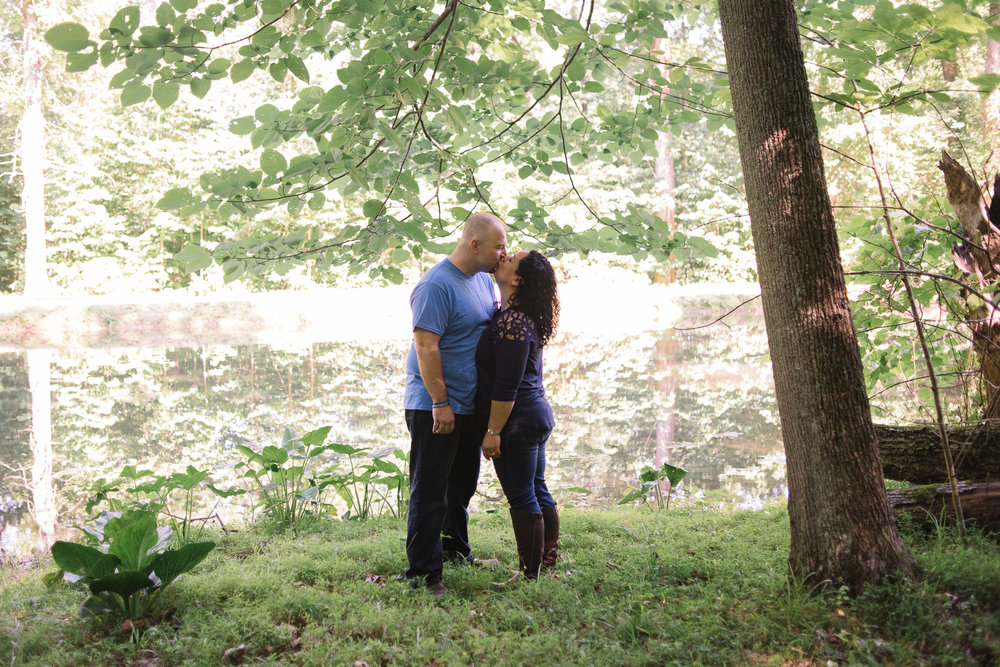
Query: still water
[[698, 398]]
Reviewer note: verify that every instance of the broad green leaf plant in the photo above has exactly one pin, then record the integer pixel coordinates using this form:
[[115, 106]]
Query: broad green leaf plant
[[129, 569], [289, 481], [650, 480], [145, 491]]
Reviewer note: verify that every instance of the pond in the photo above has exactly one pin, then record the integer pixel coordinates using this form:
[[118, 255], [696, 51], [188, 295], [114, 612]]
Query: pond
[[633, 381]]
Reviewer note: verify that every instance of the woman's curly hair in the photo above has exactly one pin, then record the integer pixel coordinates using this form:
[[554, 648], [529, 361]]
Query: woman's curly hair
[[537, 295]]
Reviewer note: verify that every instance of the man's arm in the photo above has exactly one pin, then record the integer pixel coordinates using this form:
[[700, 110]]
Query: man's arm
[[432, 374]]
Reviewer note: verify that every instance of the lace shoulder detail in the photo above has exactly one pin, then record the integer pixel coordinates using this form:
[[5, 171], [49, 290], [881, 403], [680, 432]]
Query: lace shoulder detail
[[514, 325]]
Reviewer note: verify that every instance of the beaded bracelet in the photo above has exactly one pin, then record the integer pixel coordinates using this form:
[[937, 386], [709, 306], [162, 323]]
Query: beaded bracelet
[[440, 404]]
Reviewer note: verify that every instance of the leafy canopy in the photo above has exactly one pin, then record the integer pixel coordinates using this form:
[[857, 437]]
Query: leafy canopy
[[408, 109]]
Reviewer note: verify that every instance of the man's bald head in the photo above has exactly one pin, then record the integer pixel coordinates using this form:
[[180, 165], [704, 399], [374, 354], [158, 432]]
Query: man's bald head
[[483, 244], [479, 225]]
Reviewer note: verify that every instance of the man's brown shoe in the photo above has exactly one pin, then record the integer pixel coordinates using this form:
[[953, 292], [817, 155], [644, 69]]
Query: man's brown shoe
[[437, 590]]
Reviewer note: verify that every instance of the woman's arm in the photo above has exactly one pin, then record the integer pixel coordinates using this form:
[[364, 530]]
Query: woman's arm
[[499, 412]]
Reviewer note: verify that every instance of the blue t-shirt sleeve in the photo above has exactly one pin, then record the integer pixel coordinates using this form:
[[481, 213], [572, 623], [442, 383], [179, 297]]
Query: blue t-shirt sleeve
[[430, 308]]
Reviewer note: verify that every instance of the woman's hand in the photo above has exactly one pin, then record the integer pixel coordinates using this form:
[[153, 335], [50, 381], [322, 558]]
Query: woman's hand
[[491, 447]]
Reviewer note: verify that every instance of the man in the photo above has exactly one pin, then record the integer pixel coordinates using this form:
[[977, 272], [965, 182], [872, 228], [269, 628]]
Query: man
[[451, 305]]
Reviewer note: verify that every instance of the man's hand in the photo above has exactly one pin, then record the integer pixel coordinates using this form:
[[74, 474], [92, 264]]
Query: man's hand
[[444, 420]]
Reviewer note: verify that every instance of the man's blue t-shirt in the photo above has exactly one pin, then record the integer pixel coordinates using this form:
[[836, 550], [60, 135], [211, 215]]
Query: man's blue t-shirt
[[457, 307]]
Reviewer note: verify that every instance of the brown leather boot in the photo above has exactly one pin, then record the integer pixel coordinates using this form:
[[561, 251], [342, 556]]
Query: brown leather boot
[[529, 533], [550, 550]]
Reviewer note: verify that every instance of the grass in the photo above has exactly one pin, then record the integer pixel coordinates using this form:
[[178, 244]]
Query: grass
[[633, 587]]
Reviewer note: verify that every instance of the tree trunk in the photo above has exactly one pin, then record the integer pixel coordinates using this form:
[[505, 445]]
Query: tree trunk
[[978, 259], [991, 105], [43, 498], [841, 525], [32, 144], [913, 454], [980, 503], [663, 168]]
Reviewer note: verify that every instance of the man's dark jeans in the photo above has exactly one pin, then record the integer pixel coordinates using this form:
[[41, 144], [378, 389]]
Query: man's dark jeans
[[444, 471]]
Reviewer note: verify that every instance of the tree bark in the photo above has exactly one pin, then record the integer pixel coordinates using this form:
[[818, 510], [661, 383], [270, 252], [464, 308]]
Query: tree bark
[[978, 259], [32, 146], [913, 454], [841, 525], [980, 503]]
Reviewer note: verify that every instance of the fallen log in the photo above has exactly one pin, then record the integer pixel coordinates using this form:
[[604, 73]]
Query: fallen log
[[932, 502], [913, 453]]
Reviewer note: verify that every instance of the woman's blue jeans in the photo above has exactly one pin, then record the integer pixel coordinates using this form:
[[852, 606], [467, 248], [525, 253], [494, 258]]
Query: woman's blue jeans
[[521, 468]]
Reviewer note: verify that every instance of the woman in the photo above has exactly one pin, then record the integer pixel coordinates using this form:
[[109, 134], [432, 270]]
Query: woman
[[509, 363]]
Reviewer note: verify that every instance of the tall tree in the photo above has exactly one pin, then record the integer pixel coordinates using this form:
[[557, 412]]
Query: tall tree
[[991, 105], [32, 143], [663, 167], [841, 527]]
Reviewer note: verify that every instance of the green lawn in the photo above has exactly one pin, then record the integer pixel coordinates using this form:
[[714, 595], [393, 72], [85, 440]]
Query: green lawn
[[633, 587]]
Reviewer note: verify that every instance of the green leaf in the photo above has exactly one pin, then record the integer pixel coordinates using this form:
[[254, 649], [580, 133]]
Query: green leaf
[[673, 474], [986, 83], [125, 583], [194, 258], [68, 37], [125, 21], [136, 536], [387, 131], [272, 162], [317, 201], [218, 67], [172, 563], [372, 208], [316, 436], [165, 14], [278, 70], [242, 70], [81, 61], [165, 93], [151, 36], [272, 454], [174, 198], [266, 113], [82, 560], [243, 125], [332, 99], [297, 67], [576, 70], [100, 604], [199, 87], [134, 94]]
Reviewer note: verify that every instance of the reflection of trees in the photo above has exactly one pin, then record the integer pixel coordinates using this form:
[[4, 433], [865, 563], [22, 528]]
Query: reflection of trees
[[15, 452], [718, 415], [166, 409]]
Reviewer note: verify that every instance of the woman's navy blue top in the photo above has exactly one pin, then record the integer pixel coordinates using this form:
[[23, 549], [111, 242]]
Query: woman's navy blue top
[[509, 364]]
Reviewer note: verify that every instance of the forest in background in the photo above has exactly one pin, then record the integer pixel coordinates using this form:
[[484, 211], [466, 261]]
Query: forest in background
[[371, 130], [643, 175]]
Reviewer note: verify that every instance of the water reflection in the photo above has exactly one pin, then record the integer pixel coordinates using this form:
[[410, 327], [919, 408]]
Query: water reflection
[[702, 400]]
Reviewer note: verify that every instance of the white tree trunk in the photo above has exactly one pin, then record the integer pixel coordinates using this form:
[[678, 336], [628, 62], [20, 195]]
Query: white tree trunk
[[42, 492], [32, 146]]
